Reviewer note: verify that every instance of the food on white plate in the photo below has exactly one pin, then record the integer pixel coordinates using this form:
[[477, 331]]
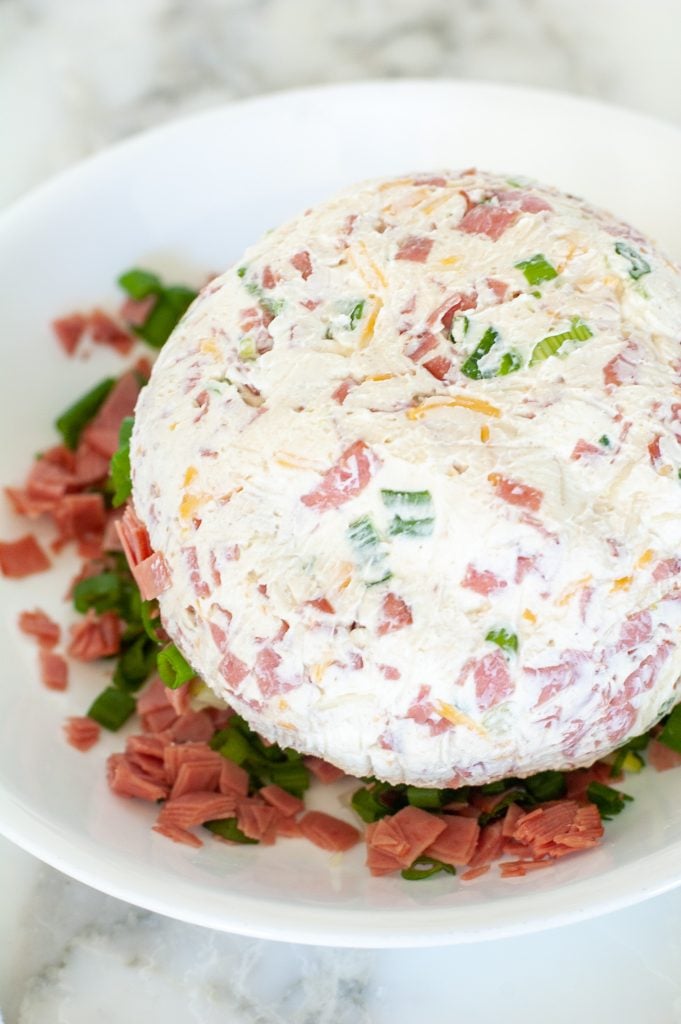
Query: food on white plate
[[410, 476]]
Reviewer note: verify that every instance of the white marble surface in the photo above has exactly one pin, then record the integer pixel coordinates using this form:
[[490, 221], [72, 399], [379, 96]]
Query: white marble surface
[[78, 74]]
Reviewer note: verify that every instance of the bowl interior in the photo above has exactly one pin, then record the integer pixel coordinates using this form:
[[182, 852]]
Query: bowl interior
[[185, 201]]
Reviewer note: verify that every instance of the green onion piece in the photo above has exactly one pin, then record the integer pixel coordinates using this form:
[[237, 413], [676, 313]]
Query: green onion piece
[[514, 796], [356, 314], [272, 306], [579, 331], [172, 667], [150, 619], [241, 272], [364, 538], [369, 802], [537, 269], [510, 362], [609, 801], [218, 738], [292, 776], [622, 761], [112, 708], [502, 638], [247, 350], [380, 574], [545, 348], [411, 527], [120, 464], [135, 665], [671, 734], [637, 265], [459, 328], [363, 535], [102, 592], [139, 284], [500, 786], [73, 420], [227, 828], [604, 440], [409, 498], [236, 747], [170, 306], [470, 367], [548, 785], [632, 762], [429, 799], [426, 867]]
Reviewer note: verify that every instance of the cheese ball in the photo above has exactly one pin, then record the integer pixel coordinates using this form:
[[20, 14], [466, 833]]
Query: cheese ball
[[413, 466]]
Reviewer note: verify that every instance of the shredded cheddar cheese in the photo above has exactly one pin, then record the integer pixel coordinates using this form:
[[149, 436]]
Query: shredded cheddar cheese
[[417, 412], [457, 717], [571, 590]]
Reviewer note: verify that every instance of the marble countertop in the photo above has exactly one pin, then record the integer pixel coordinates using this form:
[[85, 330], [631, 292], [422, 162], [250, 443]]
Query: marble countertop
[[76, 75]]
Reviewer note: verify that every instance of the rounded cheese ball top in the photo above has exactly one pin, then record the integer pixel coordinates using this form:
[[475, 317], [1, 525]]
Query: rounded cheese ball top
[[413, 466]]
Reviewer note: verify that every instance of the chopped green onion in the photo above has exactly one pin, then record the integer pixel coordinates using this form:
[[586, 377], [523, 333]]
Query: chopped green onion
[[548, 785], [502, 638], [135, 664], [292, 776], [150, 622], [637, 265], [272, 306], [363, 534], [671, 733], [227, 828], [623, 761], [579, 331], [120, 464], [368, 803], [112, 708], [459, 329], [241, 272], [411, 527], [409, 502], [102, 592], [364, 538], [401, 498], [428, 799], [139, 284], [513, 796], [356, 314], [172, 667], [631, 762], [609, 801], [537, 269], [500, 786], [510, 362], [604, 440], [426, 867], [470, 367], [236, 747], [247, 350], [73, 420]]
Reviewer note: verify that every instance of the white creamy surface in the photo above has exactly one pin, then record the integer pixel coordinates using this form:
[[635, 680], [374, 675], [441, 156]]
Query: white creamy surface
[[63, 96], [474, 500]]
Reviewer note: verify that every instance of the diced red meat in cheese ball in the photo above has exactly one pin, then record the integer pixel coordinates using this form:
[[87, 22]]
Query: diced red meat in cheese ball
[[412, 466]]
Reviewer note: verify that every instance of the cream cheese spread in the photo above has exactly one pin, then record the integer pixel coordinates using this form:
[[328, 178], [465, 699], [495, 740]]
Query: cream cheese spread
[[413, 465]]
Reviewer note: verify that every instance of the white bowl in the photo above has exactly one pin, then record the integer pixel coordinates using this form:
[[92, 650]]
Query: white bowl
[[187, 199]]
